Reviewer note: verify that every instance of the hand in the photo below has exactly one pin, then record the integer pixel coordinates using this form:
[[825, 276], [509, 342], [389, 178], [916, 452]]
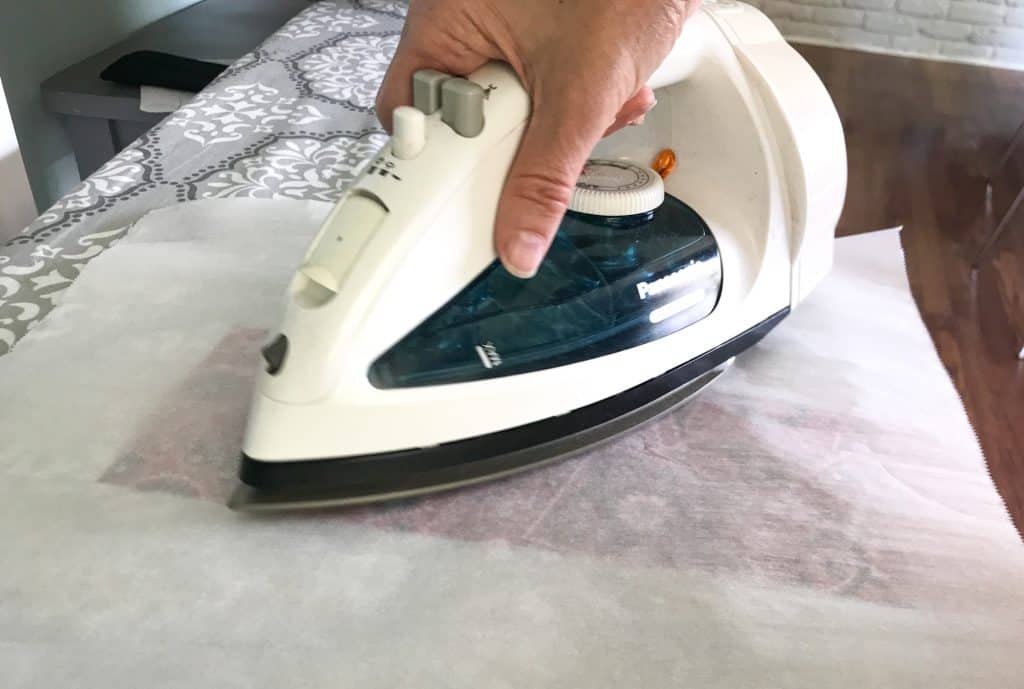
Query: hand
[[585, 64]]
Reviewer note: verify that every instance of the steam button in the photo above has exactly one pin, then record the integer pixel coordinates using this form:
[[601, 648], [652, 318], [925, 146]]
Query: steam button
[[426, 90], [462, 106]]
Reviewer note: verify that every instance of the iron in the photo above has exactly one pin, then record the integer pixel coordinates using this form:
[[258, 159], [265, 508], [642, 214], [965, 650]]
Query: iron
[[410, 361]]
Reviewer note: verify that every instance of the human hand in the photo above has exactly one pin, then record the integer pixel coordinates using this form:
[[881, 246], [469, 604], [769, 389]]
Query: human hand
[[585, 65]]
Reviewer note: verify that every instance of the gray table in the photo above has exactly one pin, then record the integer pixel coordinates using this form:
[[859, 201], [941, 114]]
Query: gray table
[[103, 118]]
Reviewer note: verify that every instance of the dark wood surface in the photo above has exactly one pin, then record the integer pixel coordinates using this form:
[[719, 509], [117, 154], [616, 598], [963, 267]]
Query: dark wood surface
[[922, 138]]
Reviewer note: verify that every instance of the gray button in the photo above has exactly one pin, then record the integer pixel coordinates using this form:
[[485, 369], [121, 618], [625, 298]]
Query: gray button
[[426, 90], [462, 106]]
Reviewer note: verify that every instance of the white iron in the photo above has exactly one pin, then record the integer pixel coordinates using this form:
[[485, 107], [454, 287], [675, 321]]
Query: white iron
[[342, 414]]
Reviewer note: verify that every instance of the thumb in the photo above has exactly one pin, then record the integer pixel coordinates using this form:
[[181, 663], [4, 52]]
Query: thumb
[[540, 183]]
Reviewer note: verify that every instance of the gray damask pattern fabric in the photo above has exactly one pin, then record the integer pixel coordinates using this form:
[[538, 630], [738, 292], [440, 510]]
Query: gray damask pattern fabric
[[292, 119]]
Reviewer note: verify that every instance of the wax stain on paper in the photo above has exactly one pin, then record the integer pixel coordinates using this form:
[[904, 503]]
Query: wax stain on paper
[[191, 444]]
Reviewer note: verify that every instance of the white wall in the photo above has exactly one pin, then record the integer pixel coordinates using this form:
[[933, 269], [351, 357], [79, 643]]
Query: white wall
[[39, 38], [16, 206], [983, 31]]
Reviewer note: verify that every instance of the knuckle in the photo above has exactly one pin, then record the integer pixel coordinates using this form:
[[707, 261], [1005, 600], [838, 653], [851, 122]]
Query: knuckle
[[546, 194]]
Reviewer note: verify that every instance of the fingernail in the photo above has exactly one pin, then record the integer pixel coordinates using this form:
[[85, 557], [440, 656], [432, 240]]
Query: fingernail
[[523, 254], [637, 121]]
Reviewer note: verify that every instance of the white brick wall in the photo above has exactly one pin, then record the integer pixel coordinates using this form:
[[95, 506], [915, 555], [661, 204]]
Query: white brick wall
[[988, 31]]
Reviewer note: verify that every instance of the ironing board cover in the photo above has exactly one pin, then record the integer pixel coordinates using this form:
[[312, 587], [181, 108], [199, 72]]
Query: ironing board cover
[[293, 119]]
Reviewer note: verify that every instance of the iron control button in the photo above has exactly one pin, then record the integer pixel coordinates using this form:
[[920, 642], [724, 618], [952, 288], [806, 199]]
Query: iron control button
[[344, 235], [462, 106], [410, 137], [617, 188], [274, 354], [426, 90]]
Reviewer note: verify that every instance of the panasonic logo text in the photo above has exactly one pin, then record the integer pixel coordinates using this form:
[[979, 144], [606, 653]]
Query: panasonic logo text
[[653, 289]]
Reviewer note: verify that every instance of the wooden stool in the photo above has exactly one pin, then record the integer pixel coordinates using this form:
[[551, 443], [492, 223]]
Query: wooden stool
[[1007, 218]]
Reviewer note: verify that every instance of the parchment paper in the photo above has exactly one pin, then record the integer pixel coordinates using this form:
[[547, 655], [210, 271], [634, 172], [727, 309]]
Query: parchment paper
[[822, 517]]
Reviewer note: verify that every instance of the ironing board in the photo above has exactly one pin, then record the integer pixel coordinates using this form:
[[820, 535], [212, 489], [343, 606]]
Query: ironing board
[[293, 119], [822, 518]]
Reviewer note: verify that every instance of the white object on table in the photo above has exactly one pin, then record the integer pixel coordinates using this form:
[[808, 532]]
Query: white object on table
[[157, 99]]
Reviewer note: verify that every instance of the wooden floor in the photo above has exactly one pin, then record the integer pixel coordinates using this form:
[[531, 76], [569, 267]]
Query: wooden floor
[[922, 136]]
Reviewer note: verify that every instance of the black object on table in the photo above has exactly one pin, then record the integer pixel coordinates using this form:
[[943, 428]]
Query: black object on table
[[150, 68], [103, 117]]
